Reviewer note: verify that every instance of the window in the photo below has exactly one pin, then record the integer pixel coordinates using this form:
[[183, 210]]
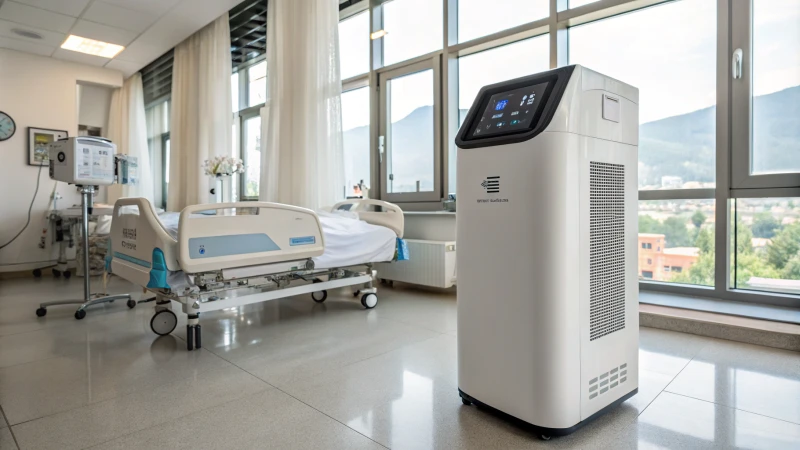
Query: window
[[157, 119], [687, 229], [492, 66], [411, 129], [414, 28], [776, 87], [576, 3], [766, 244], [257, 84], [666, 268], [670, 55], [478, 18], [649, 262], [648, 274], [251, 152], [235, 92], [355, 124], [354, 45]]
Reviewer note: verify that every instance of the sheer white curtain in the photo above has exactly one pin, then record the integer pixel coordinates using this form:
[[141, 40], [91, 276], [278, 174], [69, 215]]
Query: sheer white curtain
[[128, 129], [157, 117], [200, 124], [302, 159]]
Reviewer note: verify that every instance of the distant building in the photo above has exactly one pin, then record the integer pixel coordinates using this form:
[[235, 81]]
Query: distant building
[[659, 263], [671, 182]]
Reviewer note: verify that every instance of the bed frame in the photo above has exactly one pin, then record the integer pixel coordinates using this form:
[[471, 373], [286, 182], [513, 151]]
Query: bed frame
[[244, 253]]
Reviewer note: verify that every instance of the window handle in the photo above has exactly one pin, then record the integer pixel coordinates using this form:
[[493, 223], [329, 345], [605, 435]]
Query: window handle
[[380, 149], [736, 63]]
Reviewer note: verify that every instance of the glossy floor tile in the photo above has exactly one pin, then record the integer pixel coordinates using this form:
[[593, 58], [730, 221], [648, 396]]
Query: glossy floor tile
[[296, 374]]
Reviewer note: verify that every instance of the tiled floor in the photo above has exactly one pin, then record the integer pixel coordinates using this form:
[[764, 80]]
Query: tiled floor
[[296, 374]]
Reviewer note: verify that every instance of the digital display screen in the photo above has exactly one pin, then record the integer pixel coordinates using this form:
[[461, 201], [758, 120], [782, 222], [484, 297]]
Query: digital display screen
[[511, 111]]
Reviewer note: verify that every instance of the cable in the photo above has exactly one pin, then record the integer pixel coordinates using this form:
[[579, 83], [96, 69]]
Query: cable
[[30, 208]]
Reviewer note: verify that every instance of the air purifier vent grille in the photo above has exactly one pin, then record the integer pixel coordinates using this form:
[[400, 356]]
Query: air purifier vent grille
[[607, 380], [606, 249]]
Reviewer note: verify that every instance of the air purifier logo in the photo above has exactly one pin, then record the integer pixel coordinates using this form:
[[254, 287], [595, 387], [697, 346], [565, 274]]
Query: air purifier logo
[[491, 184]]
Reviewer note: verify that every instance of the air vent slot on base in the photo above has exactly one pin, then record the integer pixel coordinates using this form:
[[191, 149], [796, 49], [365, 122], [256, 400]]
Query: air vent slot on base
[[606, 249]]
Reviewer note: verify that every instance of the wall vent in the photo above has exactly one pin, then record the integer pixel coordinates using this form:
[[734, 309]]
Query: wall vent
[[607, 380], [606, 249]]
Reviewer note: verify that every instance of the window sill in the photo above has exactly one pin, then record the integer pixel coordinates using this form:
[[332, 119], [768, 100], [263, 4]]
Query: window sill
[[726, 307]]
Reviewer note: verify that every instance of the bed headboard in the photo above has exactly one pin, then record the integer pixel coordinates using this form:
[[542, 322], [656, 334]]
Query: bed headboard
[[389, 216], [273, 233]]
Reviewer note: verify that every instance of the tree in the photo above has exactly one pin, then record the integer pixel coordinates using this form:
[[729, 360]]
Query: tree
[[647, 224], [676, 233], [791, 271], [765, 225], [784, 246], [750, 265], [698, 219]]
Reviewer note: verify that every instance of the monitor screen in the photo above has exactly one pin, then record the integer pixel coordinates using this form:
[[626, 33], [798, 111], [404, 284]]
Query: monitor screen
[[510, 112]]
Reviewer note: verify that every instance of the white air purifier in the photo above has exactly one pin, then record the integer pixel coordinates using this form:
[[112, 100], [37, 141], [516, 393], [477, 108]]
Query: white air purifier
[[548, 325]]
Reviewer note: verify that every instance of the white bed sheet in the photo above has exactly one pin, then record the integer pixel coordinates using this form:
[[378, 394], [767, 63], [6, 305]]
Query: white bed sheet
[[348, 240]]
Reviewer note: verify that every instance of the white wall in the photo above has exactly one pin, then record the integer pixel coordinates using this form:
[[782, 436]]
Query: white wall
[[36, 92], [94, 102]]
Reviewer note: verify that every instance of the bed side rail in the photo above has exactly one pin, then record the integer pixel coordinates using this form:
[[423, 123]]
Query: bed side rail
[[390, 217], [137, 237], [255, 233]]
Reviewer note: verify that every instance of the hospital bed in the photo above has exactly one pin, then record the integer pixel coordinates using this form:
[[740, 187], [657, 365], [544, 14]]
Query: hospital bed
[[224, 255]]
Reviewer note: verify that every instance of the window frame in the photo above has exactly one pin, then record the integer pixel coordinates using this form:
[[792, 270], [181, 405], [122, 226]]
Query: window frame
[[242, 117], [733, 115]]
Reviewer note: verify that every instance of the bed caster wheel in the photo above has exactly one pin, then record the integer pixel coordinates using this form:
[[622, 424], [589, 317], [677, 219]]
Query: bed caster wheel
[[163, 322], [41, 312], [131, 303], [80, 314], [369, 300], [56, 273], [320, 296], [37, 273], [545, 437], [466, 402], [67, 274]]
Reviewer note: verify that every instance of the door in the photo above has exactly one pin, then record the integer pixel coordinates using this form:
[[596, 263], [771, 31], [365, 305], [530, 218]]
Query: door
[[409, 141]]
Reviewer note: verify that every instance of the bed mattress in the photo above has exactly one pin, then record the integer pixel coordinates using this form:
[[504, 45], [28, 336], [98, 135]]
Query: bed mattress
[[348, 240]]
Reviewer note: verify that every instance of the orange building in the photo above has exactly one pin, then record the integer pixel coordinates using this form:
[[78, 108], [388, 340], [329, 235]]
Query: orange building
[[659, 263]]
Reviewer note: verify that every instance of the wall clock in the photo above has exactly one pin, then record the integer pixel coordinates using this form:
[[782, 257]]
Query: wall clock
[[7, 126]]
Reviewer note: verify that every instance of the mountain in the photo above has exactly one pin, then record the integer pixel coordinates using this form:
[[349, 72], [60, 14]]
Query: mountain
[[682, 146]]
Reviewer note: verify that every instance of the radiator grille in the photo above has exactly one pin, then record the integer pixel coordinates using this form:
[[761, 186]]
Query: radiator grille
[[606, 249]]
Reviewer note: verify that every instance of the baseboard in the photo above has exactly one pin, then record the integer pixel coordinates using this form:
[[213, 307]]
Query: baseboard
[[740, 329]]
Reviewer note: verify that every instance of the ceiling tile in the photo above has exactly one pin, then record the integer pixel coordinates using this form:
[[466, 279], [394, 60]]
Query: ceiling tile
[[127, 68], [83, 58], [157, 7], [72, 8], [25, 46], [104, 33], [116, 16], [35, 17], [49, 38]]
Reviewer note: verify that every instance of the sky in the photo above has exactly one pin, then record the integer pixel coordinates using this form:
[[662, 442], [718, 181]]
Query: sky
[[667, 51]]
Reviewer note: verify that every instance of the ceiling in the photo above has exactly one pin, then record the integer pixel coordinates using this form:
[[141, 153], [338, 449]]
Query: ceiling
[[147, 28]]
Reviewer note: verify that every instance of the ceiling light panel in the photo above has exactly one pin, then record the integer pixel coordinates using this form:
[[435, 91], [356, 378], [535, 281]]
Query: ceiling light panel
[[91, 46]]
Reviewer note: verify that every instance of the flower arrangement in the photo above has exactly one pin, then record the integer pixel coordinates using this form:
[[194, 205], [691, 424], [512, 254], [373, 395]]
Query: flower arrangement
[[223, 165]]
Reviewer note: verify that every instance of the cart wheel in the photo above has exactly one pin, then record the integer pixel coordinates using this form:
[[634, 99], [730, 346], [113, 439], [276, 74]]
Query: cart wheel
[[369, 300], [322, 296], [37, 273], [41, 312], [131, 303], [67, 274], [163, 322], [466, 402], [80, 314], [56, 273], [545, 437]]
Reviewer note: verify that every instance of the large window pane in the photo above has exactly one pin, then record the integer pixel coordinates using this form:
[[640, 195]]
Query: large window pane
[[492, 66], [235, 92], [354, 45], [676, 241], [478, 18], [576, 3], [257, 84], [776, 86], [410, 152], [355, 124], [669, 52], [766, 244], [414, 28], [251, 151]]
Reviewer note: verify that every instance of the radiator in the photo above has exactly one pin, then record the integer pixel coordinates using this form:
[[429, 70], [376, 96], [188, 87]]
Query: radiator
[[430, 263]]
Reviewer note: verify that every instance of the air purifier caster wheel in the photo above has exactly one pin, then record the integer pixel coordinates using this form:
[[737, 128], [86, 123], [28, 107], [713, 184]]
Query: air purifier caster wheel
[[466, 402]]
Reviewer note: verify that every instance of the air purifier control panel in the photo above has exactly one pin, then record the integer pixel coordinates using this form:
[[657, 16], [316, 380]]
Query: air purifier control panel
[[510, 111]]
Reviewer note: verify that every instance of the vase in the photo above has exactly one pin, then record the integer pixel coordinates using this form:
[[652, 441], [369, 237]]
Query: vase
[[222, 190]]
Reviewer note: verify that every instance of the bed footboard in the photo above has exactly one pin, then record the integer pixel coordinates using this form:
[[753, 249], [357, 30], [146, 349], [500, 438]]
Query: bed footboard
[[390, 215], [271, 233], [142, 250]]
